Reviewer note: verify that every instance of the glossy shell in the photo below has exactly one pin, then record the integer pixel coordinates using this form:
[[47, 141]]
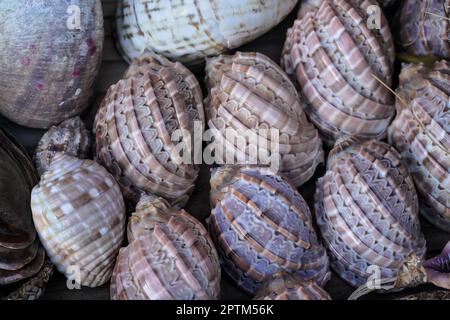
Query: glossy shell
[[170, 257], [79, 214], [71, 137], [421, 133], [336, 60], [50, 59], [141, 125], [261, 225], [249, 93], [367, 211], [190, 30]]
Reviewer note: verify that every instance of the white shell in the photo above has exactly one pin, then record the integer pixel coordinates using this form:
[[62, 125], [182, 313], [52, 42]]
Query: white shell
[[79, 214]]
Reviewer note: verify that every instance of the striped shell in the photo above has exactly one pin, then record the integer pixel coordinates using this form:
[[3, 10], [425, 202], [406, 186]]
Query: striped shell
[[170, 257], [285, 286], [424, 27], [335, 58], [70, 137], [249, 93], [421, 133], [79, 214], [48, 62], [142, 122], [261, 225], [190, 30], [367, 211]]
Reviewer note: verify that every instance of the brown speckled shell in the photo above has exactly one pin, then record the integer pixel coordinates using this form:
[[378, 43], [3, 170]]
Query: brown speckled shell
[[248, 91], [334, 56], [170, 257], [135, 124], [48, 70], [421, 133]]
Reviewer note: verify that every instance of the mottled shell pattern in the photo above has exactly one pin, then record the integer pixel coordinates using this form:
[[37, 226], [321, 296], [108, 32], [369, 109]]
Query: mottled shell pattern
[[248, 92], [421, 133], [286, 286], [261, 225], [21, 254], [336, 58], [424, 27], [367, 210], [190, 30], [170, 257], [137, 124], [51, 54], [79, 214], [71, 137]]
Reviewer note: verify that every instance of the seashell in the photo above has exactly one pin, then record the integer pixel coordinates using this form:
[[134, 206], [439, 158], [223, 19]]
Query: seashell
[[249, 93], [421, 133], [424, 27], [170, 257], [50, 59], [188, 30], [261, 226], [367, 211], [343, 68], [285, 286], [70, 137], [143, 122], [21, 254], [438, 269], [79, 214]]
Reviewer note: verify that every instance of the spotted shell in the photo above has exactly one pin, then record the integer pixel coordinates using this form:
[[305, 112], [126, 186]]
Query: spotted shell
[[342, 67], [141, 124], [190, 30], [249, 93], [424, 27], [421, 133], [170, 257], [51, 54], [367, 212], [71, 137], [79, 214], [261, 225]]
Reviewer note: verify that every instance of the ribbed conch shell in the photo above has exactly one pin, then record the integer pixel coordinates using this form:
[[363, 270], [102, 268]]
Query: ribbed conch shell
[[367, 210], [261, 226], [249, 93], [342, 67], [50, 55], [141, 124], [71, 137], [79, 214], [190, 30], [170, 257], [286, 286], [421, 133], [424, 27], [21, 254]]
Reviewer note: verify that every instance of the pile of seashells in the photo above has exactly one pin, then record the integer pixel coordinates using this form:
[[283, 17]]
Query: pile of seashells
[[106, 206]]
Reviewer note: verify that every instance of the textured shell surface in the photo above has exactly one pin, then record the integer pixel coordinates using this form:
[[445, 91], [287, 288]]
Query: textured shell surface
[[343, 68], [421, 133], [170, 257], [79, 214], [249, 93], [71, 137], [48, 62], [21, 255], [286, 286], [190, 30], [261, 226], [424, 27], [143, 122], [368, 214]]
